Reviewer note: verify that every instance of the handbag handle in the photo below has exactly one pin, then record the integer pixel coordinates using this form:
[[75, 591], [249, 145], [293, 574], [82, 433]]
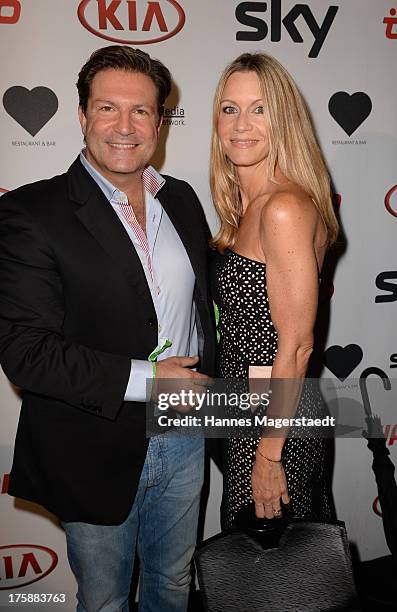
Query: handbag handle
[[265, 531]]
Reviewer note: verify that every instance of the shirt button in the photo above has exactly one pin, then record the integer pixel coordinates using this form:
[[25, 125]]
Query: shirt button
[[158, 290], [159, 328]]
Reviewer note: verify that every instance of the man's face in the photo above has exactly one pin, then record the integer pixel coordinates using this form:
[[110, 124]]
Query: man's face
[[121, 124]]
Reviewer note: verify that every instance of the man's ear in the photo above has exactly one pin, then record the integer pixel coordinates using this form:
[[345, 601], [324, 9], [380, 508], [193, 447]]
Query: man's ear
[[82, 119]]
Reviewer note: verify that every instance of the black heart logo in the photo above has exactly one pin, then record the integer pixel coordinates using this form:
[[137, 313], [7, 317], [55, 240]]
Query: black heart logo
[[341, 361], [350, 111], [31, 109]]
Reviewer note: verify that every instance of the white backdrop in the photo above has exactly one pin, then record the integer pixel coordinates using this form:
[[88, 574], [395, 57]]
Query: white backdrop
[[329, 48]]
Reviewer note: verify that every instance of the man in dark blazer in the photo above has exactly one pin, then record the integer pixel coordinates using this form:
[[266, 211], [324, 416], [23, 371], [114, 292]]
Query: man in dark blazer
[[100, 268]]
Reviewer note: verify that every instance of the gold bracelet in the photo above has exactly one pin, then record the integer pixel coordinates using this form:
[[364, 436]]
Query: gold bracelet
[[264, 456]]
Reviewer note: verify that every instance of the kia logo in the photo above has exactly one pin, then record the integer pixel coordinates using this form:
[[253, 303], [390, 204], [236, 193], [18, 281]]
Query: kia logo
[[376, 507], [388, 204], [132, 22], [3, 191], [4, 484], [23, 564]]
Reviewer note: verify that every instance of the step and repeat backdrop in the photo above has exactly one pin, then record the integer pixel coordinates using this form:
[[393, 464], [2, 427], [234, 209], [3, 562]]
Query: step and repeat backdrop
[[343, 57]]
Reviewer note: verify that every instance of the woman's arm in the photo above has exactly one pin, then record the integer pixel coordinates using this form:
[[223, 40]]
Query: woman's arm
[[287, 233]]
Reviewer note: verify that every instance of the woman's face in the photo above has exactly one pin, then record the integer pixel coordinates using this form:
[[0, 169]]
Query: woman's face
[[242, 127]]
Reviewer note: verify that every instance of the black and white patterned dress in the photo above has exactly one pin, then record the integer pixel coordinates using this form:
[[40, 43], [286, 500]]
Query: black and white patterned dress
[[248, 337]]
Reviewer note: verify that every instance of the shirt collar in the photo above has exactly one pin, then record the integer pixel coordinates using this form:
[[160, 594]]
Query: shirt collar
[[152, 180]]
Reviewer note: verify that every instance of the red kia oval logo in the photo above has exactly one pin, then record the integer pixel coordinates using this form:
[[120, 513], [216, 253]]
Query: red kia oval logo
[[376, 507], [388, 203], [23, 564], [132, 22]]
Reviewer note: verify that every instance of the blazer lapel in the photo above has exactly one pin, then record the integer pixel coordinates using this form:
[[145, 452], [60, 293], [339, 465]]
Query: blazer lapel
[[175, 208], [99, 218]]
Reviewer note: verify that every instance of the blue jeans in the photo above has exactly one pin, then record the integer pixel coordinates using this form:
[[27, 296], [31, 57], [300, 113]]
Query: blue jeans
[[161, 526]]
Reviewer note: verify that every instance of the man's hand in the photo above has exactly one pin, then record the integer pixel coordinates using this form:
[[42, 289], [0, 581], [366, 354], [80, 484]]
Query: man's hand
[[178, 367], [174, 375]]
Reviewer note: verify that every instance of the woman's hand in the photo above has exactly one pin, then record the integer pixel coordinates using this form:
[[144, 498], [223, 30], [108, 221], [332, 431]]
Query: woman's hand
[[269, 487]]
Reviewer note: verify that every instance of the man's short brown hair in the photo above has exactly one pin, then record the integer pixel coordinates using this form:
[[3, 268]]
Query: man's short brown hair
[[121, 57]]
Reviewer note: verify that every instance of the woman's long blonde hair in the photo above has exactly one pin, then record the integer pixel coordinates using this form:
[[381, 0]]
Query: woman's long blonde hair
[[293, 147]]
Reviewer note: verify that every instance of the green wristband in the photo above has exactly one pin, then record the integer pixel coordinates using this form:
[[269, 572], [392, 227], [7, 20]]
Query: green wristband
[[163, 344]]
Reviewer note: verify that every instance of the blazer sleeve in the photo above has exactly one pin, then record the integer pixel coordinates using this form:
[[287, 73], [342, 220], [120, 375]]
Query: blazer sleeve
[[33, 352]]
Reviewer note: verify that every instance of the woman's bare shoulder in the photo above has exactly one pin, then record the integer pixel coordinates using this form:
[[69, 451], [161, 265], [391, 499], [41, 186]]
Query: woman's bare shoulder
[[289, 206]]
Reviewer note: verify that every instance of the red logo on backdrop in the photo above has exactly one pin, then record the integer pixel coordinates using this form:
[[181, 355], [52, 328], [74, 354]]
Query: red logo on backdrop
[[10, 11], [132, 22], [376, 507], [3, 190], [4, 484], [23, 564], [390, 434], [388, 201], [391, 24]]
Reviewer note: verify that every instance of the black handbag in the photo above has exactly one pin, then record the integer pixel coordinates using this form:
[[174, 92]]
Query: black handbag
[[280, 565]]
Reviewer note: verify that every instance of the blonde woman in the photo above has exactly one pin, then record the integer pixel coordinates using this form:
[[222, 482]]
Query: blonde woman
[[271, 190]]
